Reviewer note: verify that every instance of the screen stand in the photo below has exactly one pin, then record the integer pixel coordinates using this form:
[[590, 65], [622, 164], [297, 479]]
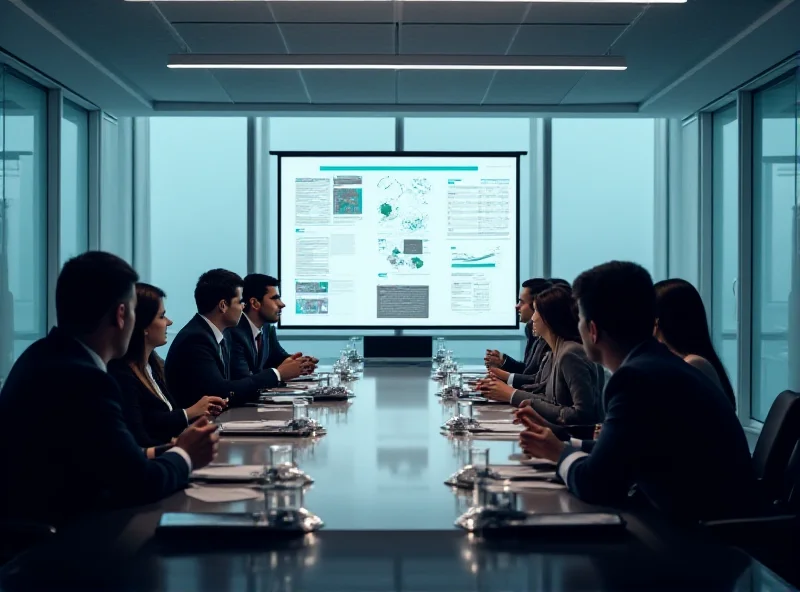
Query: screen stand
[[397, 348]]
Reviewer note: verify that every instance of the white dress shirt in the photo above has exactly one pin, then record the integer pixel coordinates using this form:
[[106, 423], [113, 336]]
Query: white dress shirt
[[217, 333], [257, 332], [102, 365], [160, 394]]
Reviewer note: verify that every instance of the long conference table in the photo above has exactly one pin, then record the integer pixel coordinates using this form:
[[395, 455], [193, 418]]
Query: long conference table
[[378, 485]]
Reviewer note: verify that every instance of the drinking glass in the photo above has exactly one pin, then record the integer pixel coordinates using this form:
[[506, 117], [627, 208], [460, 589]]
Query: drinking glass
[[465, 409], [299, 409], [280, 455], [479, 458], [454, 379]]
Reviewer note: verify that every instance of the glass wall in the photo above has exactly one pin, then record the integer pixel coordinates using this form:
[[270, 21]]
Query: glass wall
[[776, 262], [116, 187], [23, 222], [198, 204], [725, 179], [603, 191], [74, 225]]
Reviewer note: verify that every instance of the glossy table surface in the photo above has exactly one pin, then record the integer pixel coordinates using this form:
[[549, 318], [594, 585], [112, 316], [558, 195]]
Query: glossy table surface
[[388, 516]]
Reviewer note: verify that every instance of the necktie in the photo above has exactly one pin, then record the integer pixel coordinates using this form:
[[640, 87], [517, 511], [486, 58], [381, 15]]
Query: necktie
[[258, 345], [223, 353]]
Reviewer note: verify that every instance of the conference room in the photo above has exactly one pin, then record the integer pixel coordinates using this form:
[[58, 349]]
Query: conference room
[[401, 167]]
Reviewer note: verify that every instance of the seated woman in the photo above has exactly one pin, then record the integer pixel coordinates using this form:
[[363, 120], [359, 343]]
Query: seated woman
[[151, 414], [682, 325], [573, 388]]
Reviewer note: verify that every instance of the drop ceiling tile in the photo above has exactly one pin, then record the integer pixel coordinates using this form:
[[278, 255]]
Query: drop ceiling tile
[[444, 87], [214, 12], [350, 86], [333, 12], [468, 12], [456, 39], [263, 86], [231, 37], [338, 38], [531, 88], [586, 40]]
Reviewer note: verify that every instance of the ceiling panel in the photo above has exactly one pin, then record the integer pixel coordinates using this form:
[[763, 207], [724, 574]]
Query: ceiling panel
[[445, 87], [654, 52], [469, 12], [335, 38], [348, 86], [587, 14], [263, 86], [231, 37], [333, 12], [456, 39], [536, 88], [214, 12], [565, 39]]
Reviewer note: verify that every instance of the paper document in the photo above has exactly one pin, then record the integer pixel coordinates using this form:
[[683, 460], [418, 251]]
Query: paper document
[[503, 428], [520, 472], [288, 389], [533, 485], [281, 399], [229, 473], [249, 426], [536, 461], [217, 494]]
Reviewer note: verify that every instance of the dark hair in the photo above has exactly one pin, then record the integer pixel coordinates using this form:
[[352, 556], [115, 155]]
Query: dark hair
[[216, 285], [560, 282], [557, 308], [619, 297], [683, 323], [148, 300], [536, 286], [256, 285], [89, 287]]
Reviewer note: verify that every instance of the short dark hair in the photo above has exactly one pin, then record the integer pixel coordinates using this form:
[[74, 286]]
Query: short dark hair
[[536, 286], [557, 308], [620, 298], [256, 286], [216, 285], [89, 287], [560, 282]]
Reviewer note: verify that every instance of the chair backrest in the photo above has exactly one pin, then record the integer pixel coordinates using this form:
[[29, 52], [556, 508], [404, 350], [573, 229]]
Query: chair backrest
[[777, 442]]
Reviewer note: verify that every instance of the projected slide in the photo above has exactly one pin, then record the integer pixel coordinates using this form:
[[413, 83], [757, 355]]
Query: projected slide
[[398, 241]]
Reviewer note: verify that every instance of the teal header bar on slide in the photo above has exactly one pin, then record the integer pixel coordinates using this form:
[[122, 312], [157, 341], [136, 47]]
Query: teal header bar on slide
[[398, 168]]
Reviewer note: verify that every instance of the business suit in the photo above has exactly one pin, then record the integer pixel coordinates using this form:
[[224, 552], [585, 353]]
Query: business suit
[[64, 445], [693, 466], [535, 349], [526, 385], [572, 394], [245, 359], [198, 365], [148, 417]]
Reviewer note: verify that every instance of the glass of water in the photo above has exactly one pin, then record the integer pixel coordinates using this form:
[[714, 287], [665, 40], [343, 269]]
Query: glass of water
[[454, 379], [479, 458], [440, 346], [280, 455], [299, 409], [465, 409]]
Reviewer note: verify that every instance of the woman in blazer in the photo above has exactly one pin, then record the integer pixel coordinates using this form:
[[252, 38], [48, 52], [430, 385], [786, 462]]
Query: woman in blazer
[[572, 392], [151, 413]]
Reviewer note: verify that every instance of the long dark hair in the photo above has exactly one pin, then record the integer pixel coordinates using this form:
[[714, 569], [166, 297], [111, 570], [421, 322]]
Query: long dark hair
[[683, 323], [559, 310], [148, 301]]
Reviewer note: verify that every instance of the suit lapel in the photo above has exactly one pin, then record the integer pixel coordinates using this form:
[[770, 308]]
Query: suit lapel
[[264, 346]]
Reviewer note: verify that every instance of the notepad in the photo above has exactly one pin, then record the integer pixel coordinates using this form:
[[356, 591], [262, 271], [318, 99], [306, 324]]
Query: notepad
[[229, 473], [516, 472], [534, 485], [249, 426], [502, 428], [217, 494]]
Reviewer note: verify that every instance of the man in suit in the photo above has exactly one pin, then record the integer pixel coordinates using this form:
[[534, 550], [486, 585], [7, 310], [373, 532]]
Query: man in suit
[[506, 368], [255, 346], [65, 447], [199, 360], [692, 466]]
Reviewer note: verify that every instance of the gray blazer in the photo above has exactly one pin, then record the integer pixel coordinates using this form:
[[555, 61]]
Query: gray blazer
[[573, 391]]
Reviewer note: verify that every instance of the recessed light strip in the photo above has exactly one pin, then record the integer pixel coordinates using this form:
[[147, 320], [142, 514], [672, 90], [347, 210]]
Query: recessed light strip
[[392, 62], [482, 1]]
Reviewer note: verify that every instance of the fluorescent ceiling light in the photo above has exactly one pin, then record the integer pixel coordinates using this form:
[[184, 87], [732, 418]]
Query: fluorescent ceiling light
[[392, 62], [484, 1]]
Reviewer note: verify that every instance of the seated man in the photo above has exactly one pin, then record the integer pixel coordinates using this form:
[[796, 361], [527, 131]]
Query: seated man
[[692, 466], [199, 360], [65, 447], [255, 346]]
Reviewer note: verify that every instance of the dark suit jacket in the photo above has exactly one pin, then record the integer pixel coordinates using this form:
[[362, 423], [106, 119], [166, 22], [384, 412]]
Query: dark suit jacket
[[693, 466], [64, 448], [194, 368], [148, 417], [244, 358], [532, 356]]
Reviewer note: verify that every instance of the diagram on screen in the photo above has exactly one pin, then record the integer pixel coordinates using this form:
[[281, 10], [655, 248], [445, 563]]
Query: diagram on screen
[[403, 203], [407, 255], [474, 255], [347, 201]]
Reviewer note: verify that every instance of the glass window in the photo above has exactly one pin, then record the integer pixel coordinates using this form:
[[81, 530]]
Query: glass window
[[116, 188], [23, 217], [603, 192], [74, 210], [726, 237], [198, 204], [776, 265]]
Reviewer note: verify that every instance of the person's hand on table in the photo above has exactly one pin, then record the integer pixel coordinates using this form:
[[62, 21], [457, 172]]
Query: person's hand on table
[[206, 406], [495, 389], [526, 416], [541, 442], [493, 358], [292, 367], [307, 365], [200, 441], [501, 374]]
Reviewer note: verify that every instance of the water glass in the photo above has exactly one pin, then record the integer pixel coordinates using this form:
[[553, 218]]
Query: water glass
[[287, 497], [354, 345], [334, 380], [299, 409], [465, 409], [479, 458], [324, 380], [454, 379], [440, 346], [280, 455]]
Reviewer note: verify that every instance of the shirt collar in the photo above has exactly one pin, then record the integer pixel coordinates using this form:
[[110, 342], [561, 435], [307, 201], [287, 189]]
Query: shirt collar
[[217, 332], [256, 331], [95, 358]]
